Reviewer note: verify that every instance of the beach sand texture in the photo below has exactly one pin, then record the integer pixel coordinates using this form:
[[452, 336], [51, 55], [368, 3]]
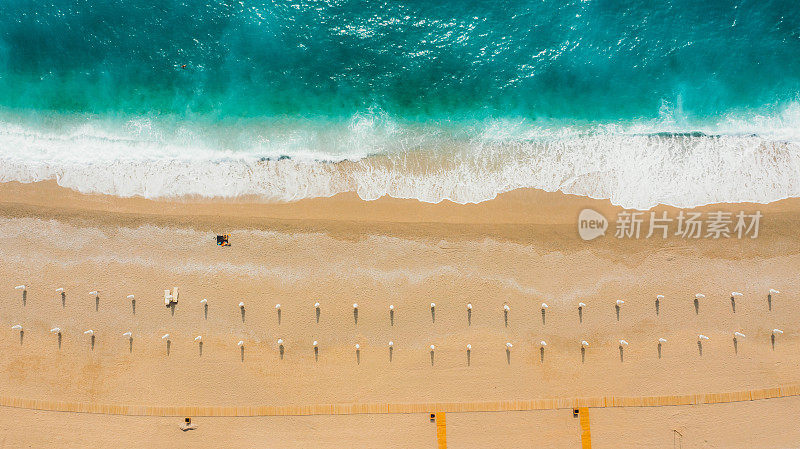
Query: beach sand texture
[[520, 250]]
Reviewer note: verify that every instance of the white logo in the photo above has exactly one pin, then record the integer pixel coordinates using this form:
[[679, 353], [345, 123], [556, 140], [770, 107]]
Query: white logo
[[591, 224]]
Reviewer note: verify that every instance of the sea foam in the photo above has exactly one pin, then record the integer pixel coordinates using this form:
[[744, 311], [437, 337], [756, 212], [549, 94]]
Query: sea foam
[[635, 165]]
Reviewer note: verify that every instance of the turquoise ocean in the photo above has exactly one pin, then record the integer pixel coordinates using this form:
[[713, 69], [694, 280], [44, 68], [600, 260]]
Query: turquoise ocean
[[677, 101]]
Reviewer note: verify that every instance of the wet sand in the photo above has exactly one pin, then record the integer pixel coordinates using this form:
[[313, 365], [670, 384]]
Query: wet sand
[[520, 250]]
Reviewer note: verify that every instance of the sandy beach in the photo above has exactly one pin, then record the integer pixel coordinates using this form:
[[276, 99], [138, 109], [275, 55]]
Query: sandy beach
[[521, 250], [465, 225]]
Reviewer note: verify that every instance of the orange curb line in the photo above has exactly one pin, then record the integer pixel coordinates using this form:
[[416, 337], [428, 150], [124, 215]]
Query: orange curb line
[[404, 408]]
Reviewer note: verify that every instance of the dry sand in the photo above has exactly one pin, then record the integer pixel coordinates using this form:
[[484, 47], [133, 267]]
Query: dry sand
[[759, 424], [520, 249]]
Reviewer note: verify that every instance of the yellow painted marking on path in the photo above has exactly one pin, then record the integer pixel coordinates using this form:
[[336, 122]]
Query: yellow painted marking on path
[[586, 434], [393, 408], [441, 430]]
